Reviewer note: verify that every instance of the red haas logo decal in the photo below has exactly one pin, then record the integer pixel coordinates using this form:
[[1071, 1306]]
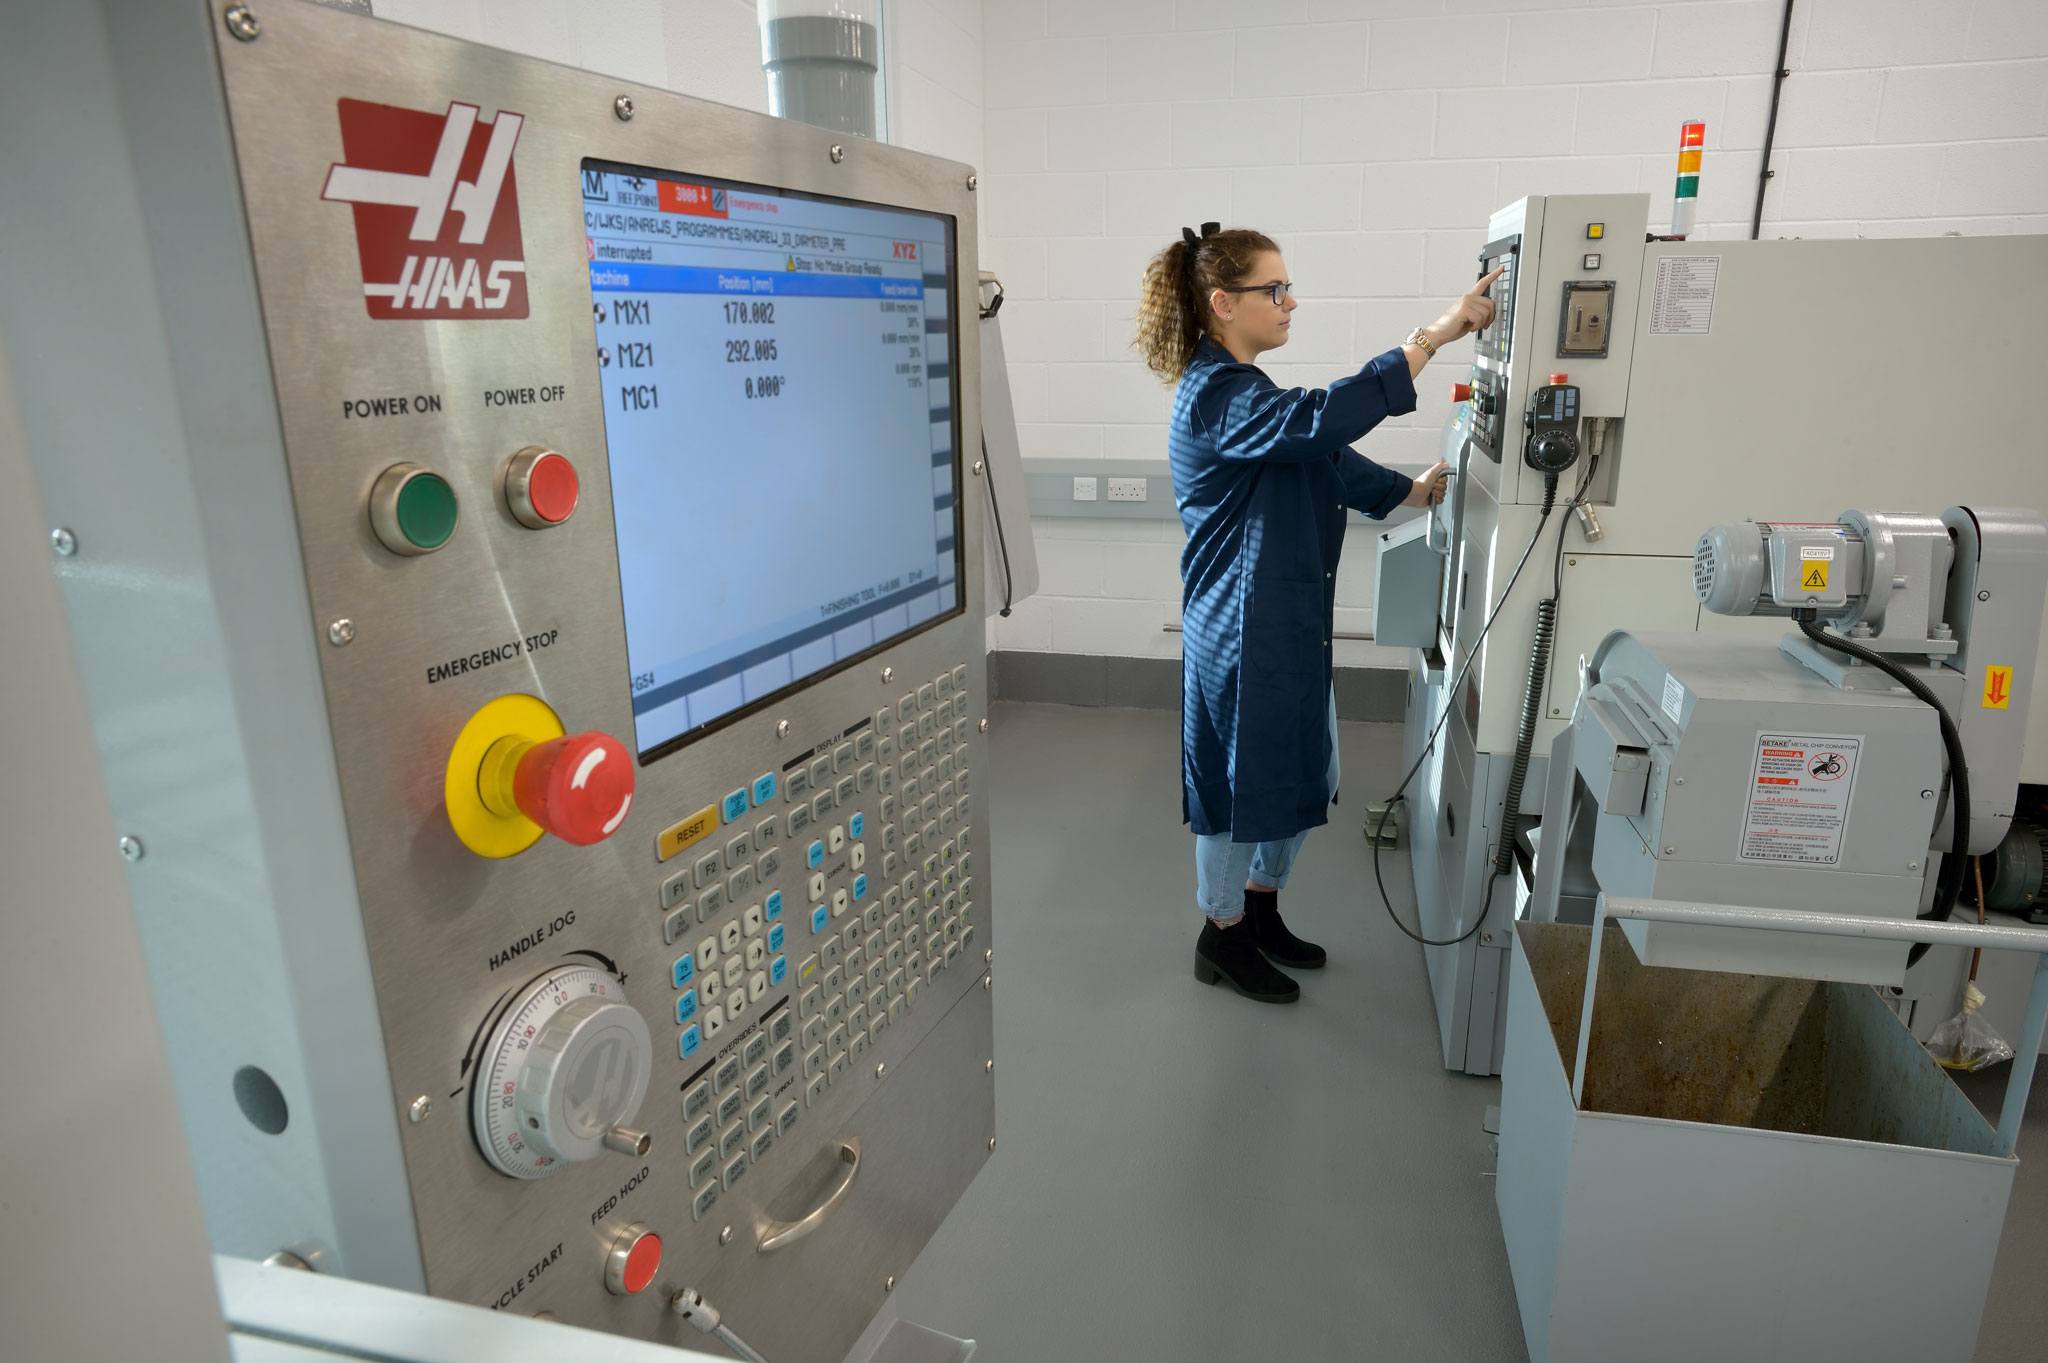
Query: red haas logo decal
[[437, 210]]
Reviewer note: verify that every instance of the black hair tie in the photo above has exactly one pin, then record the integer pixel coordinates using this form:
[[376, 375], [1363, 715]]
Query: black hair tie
[[1209, 229]]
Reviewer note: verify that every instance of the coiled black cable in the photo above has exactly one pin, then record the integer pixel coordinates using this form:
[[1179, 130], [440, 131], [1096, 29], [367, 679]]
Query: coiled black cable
[[1532, 710], [1956, 864]]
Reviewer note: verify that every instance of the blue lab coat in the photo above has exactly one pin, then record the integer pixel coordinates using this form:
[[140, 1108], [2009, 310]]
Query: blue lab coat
[[1262, 477]]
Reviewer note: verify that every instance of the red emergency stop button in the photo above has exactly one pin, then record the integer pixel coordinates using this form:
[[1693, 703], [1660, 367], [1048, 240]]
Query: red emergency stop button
[[1461, 392], [1556, 379], [541, 487], [577, 787], [634, 1259]]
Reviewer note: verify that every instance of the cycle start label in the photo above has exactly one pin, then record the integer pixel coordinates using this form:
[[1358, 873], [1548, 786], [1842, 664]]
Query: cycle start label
[[1799, 787]]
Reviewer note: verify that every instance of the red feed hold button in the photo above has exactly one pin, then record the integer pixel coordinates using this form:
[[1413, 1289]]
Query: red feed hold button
[[541, 487], [578, 787], [634, 1259]]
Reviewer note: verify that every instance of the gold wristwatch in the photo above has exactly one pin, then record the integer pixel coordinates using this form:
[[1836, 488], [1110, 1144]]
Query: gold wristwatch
[[1420, 337]]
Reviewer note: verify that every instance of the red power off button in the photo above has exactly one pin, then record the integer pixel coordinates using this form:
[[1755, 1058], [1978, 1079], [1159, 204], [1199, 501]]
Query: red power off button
[[634, 1259], [541, 487]]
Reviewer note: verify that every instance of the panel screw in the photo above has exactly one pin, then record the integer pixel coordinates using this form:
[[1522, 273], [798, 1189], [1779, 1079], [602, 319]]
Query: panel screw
[[1927, 795], [242, 24], [782, 728], [1678, 780], [1571, 563], [422, 1108], [1983, 596], [888, 674], [1912, 865], [341, 632], [838, 153], [988, 982], [1671, 851], [977, 468], [623, 107], [63, 542], [989, 957], [881, 1071], [725, 1236], [991, 1142], [131, 847], [973, 183], [984, 726], [889, 1283], [1555, 712], [1486, 939], [988, 1066]]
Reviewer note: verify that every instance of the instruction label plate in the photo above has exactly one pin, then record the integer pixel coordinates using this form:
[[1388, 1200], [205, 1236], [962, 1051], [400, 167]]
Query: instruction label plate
[[1799, 790], [1682, 303]]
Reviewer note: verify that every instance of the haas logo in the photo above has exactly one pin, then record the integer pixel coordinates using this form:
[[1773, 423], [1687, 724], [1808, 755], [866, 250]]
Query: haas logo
[[436, 209]]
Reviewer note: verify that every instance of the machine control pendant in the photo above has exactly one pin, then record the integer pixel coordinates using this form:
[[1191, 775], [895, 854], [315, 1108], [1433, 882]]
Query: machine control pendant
[[566, 1068]]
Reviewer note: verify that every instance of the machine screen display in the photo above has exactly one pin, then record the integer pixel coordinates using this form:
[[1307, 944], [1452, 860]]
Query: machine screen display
[[779, 405]]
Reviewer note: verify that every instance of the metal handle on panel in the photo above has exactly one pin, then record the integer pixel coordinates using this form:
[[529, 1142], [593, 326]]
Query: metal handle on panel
[[781, 1234]]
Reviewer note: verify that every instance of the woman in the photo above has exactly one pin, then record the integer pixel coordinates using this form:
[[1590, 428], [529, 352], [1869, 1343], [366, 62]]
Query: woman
[[1262, 477]]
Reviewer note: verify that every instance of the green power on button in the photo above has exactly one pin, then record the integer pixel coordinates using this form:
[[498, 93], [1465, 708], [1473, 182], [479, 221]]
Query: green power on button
[[412, 509]]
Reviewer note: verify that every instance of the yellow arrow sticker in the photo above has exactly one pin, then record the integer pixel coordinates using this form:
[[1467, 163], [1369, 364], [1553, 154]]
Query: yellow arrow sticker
[[1998, 688], [1813, 576]]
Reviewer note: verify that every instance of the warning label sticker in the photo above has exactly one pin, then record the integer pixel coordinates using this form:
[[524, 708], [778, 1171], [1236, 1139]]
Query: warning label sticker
[[1998, 688], [1682, 300], [1799, 790], [1813, 575]]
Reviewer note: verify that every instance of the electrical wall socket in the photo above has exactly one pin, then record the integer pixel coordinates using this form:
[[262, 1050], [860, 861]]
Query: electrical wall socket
[[1127, 489], [1084, 489]]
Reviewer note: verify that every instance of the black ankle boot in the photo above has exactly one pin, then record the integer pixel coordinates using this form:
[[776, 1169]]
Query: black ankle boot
[[1231, 955], [1262, 911]]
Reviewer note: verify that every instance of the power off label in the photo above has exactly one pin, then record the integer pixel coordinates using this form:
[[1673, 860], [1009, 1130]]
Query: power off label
[[1799, 790]]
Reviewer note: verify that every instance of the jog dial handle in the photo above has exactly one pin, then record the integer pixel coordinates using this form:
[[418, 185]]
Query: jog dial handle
[[564, 1072]]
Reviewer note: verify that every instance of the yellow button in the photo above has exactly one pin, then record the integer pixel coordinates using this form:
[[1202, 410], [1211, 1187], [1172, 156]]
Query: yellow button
[[1595, 231], [691, 831]]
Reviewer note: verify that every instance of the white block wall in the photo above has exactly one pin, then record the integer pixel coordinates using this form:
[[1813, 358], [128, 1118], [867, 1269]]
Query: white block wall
[[1374, 137]]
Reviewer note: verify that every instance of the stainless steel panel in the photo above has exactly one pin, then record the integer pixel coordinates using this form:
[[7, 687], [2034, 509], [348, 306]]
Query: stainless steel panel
[[449, 932]]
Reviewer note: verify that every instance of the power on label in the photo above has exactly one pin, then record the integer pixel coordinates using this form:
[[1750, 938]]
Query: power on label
[[1799, 789]]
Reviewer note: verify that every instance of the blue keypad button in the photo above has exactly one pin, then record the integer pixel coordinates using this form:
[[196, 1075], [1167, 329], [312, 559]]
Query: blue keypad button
[[860, 887], [775, 939], [687, 1045], [814, 855], [684, 969], [686, 1005], [779, 971], [820, 916], [856, 824], [764, 788], [771, 907], [734, 806]]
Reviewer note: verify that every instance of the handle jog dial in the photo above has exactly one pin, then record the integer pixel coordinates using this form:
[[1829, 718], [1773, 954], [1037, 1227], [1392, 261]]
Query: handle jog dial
[[566, 1068]]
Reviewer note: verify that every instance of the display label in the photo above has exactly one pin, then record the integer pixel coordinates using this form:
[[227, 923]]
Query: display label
[[1682, 303], [436, 208], [1799, 790], [1674, 698], [1998, 688]]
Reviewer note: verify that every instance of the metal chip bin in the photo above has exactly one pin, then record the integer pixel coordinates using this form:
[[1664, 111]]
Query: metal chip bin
[[1743, 1167]]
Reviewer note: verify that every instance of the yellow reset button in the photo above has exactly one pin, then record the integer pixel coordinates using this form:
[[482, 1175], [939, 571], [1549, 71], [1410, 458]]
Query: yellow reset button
[[678, 836]]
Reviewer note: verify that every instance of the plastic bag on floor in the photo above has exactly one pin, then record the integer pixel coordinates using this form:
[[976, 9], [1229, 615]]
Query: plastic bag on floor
[[1966, 1041]]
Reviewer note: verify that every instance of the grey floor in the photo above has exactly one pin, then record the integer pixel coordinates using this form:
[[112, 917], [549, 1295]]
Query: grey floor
[[1182, 1175]]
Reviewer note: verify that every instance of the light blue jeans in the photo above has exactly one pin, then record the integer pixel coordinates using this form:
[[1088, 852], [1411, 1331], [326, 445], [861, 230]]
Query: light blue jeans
[[1223, 867]]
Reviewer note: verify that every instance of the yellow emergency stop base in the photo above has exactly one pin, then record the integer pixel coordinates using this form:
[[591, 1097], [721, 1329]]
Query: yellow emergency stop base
[[483, 831]]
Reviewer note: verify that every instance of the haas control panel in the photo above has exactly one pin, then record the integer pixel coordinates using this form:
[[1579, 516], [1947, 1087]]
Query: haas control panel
[[622, 449]]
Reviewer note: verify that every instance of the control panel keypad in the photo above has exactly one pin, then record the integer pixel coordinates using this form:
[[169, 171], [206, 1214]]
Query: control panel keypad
[[889, 799]]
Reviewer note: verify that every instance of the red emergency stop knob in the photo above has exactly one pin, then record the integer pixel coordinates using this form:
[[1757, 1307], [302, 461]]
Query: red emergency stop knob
[[1461, 392], [577, 787], [1556, 379]]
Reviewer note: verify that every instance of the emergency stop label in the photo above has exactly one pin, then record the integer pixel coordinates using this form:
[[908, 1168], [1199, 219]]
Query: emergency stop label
[[1799, 789], [436, 208]]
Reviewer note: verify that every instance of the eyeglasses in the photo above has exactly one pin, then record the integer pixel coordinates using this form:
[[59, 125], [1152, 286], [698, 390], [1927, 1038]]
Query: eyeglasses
[[1279, 290]]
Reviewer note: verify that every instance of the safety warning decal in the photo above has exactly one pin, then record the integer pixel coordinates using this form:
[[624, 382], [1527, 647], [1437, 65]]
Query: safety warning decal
[[1998, 688], [1799, 790], [1814, 562], [436, 210]]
